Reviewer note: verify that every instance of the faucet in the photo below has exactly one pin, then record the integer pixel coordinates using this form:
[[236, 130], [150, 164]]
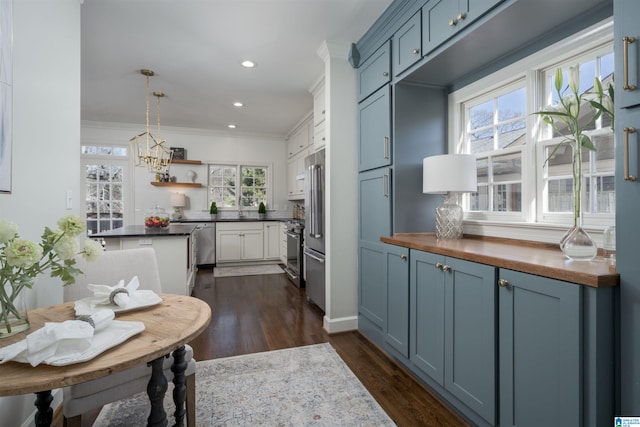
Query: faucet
[[240, 212]]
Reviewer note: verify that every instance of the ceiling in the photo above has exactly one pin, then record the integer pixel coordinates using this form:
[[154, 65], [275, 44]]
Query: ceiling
[[195, 48]]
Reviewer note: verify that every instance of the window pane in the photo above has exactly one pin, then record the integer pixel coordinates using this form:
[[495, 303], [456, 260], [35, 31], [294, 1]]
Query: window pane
[[560, 195], [482, 166], [512, 105], [507, 168], [480, 200]]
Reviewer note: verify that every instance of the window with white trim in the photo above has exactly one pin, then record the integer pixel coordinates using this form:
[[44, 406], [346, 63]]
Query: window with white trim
[[239, 186], [105, 173], [494, 119]]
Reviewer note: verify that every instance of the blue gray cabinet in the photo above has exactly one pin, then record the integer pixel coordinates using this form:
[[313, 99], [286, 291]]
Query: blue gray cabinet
[[384, 293], [442, 19], [375, 130], [407, 44], [397, 284], [626, 16], [540, 351], [453, 328], [375, 221], [375, 204], [375, 72]]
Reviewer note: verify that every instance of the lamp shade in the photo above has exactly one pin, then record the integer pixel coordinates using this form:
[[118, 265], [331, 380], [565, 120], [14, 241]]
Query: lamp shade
[[178, 200], [456, 173]]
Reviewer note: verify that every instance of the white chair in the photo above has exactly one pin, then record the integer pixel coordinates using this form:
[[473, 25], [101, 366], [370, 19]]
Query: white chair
[[108, 269]]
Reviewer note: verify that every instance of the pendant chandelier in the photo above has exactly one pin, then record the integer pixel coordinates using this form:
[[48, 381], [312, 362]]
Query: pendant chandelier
[[149, 150]]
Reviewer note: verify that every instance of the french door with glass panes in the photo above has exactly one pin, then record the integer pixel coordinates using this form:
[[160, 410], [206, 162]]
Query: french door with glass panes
[[105, 179]]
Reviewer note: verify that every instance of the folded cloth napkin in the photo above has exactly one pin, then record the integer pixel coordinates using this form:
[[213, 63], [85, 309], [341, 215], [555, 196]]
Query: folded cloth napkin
[[57, 338], [119, 294]]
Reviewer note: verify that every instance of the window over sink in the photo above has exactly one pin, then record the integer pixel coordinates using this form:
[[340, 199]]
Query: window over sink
[[239, 186]]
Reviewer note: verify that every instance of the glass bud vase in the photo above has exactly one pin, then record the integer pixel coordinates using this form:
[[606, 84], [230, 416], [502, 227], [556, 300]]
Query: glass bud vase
[[14, 317], [577, 245]]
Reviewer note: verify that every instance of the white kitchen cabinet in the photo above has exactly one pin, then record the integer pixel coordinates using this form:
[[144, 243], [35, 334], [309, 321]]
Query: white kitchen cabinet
[[300, 139], [176, 260], [283, 243], [319, 115], [248, 241], [271, 240], [295, 175]]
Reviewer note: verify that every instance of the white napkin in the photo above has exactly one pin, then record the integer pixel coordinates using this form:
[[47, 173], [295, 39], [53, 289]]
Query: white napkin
[[119, 294], [57, 338]]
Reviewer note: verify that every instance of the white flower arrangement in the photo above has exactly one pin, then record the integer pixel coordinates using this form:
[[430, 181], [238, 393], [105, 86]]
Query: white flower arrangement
[[21, 260]]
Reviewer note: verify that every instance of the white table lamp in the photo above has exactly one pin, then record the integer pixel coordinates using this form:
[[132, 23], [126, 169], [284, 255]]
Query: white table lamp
[[178, 201], [449, 174]]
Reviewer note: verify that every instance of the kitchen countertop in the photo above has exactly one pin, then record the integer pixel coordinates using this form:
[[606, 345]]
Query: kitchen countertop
[[541, 259], [244, 219], [140, 230]]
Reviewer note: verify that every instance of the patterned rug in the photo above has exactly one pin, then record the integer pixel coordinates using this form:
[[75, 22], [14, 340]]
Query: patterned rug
[[247, 270], [302, 386]]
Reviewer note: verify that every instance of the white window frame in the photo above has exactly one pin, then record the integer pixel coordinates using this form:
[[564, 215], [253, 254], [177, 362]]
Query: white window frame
[[238, 166], [524, 225], [127, 181]]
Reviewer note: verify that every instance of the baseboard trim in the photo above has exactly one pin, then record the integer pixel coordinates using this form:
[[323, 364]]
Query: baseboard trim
[[342, 324]]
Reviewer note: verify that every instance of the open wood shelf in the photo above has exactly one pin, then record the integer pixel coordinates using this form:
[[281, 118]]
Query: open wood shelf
[[186, 162], [175, 184]]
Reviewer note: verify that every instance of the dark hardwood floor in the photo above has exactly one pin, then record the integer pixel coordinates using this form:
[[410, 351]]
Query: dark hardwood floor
[[262, 313]]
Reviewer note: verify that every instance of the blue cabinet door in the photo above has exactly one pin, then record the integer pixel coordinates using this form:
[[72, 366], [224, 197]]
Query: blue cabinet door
[[375, 130], [626, 15], [407, 44], [372, 286], [397, 277], [375, 71], [375, 204], [439, 23], [470, 335], [540, 351], [427, 295]]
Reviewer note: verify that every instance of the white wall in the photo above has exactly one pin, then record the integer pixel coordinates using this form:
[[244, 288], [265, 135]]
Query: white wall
[[341, 182], [204, 145], [46, 135]]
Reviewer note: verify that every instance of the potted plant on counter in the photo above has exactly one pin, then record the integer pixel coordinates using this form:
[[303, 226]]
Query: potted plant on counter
[[262, 210], [213, 210]]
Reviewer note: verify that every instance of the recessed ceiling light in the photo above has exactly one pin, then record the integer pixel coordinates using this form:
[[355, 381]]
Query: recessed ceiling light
[[238, 104], [248, 64], [232, 126]]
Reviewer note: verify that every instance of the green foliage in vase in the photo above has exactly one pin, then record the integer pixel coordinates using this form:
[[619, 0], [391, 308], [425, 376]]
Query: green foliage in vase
[[262, 208], [213, 209]]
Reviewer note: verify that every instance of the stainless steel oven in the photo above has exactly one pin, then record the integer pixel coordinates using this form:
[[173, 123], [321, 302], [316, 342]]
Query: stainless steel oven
[[295, 236]]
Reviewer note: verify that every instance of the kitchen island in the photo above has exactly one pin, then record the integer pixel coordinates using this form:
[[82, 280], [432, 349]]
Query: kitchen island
[[174, 247]]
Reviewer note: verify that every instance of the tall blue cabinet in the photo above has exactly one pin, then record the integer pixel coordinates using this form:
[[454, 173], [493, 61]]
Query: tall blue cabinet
[[627, 124], [470, 332]]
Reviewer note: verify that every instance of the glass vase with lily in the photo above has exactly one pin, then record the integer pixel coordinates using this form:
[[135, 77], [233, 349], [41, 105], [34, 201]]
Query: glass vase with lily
[[22, 260], [570, 117]]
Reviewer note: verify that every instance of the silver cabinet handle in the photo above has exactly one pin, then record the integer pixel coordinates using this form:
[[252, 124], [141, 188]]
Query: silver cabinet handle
[[385, 74], [385, 185], [403, 257], [452, 22], [385, 147], [438, 265], [415, 51], [461, 16], [626, 41], [446, 268], [503, 283], [626, 132]]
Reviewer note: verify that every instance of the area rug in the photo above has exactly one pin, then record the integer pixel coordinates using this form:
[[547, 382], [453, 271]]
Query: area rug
[[302, 386], [247, 270]]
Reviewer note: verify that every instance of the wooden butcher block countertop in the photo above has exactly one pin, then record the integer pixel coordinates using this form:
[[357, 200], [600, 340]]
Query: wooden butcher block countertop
[[541, 259]]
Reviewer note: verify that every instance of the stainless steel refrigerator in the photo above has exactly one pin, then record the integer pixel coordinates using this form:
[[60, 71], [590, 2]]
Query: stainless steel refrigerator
[[314, 250]]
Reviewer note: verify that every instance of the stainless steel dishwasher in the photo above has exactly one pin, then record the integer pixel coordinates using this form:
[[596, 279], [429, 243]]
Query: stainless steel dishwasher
[[205, 235]]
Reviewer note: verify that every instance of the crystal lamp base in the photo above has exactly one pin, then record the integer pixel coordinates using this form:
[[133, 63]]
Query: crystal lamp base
[[449, 219]]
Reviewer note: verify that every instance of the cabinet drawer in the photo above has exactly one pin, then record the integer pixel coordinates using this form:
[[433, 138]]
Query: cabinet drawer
[[229, 226], [375, 71]]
